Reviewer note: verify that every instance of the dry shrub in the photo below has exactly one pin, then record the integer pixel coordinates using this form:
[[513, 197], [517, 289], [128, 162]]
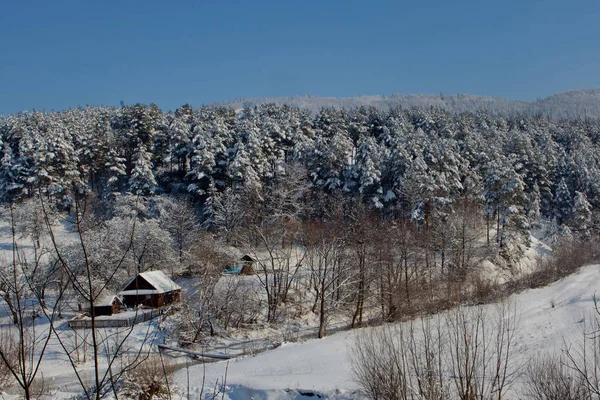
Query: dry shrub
[[396, 363], [482, 290], [150, 379], [567, 257], [465, 354], [550, 379]]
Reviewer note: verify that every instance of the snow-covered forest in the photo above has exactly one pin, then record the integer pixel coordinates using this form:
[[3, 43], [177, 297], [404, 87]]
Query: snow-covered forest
[[350, 217], [416, 165], [574, 104]]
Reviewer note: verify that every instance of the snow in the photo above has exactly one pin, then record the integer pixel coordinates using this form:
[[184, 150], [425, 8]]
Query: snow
[[139, 292], [549, 318]]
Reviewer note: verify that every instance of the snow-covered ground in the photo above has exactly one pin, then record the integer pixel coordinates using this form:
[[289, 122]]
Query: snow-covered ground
[[549, 318]]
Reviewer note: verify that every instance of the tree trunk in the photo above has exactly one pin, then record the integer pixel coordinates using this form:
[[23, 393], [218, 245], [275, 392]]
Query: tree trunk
[[322, 317]]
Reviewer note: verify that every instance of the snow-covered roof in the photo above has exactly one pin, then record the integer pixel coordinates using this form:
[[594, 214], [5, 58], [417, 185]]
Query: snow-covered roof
[[159, 281], [139, 292], [105, 300]]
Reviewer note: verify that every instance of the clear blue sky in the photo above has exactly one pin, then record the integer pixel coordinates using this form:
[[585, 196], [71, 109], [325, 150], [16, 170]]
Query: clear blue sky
[[61, 54]]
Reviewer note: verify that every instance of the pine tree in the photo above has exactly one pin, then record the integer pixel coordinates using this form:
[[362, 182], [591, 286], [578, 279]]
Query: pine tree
[[563, 204], [533, 206], [142, 181], [11, 187], [114, 168], [582, 215], [505, 199], [181, 128]]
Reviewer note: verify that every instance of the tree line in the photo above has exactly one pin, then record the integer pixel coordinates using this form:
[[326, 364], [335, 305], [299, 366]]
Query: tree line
[[416, 164]]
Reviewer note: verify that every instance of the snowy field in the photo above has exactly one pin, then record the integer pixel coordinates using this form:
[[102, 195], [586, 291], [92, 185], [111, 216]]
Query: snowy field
[[549, 318]]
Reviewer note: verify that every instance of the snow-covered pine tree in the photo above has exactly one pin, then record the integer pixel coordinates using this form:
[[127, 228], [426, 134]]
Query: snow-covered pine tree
[[533, 206], [581, 216], [563, 203], [11, 186], [505, 199], [142, 181]]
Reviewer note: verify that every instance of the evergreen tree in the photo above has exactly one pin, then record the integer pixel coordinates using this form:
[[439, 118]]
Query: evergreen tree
[[563, 204], [582, 215], [142, 181], [533, 206], [505, 199], [11, 187]]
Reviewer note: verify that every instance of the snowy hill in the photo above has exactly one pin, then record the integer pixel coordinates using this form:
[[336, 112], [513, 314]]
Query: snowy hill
[[576, 104], [549, 318]]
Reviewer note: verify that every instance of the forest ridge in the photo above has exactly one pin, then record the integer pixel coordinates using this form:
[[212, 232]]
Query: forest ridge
[[574, 104], [412, 164]]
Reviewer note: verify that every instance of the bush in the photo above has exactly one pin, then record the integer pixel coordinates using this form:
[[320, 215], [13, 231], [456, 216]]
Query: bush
[[550, 379], [463, 355], [567, 257], [150, 379]]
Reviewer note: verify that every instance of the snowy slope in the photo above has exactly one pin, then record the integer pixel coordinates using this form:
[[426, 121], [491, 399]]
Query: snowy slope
[[549, 318]]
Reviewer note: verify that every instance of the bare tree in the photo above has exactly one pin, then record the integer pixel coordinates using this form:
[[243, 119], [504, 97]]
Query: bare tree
[[468, 227], [24, 344], [150, 379], [181, 222], [401, 362], [206, 261], [465, 355], [227, 212], [277, 265], [30, 222], [106, 350], [379, 365], [236, 302], [480, 350], [362, 256], [583, 358], [329, 271]]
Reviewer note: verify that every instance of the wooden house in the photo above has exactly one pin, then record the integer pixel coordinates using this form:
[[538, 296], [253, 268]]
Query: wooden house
[[107, 305], [151, 289]]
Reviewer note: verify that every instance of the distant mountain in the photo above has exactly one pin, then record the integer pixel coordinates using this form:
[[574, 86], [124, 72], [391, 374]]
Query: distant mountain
[[574, 104], [571, 105]]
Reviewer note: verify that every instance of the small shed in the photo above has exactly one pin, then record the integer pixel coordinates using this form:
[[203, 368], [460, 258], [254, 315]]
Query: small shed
[[107, 305], [247, 265], [151, 289]]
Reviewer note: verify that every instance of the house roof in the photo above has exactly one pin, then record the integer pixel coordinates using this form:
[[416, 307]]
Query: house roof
[[105, 300], [139, 292], [158, 280]]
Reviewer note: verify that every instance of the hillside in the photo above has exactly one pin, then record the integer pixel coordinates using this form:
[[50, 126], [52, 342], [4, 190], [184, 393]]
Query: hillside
[[576, 104], [548, 318]]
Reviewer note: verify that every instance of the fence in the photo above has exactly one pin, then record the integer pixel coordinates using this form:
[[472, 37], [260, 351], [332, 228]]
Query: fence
[[115, 321]]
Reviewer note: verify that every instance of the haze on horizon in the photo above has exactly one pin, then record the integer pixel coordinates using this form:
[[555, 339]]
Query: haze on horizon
[[57, 55]]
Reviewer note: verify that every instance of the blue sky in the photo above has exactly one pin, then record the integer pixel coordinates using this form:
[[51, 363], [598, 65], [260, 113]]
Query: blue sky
[[61, 54]]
